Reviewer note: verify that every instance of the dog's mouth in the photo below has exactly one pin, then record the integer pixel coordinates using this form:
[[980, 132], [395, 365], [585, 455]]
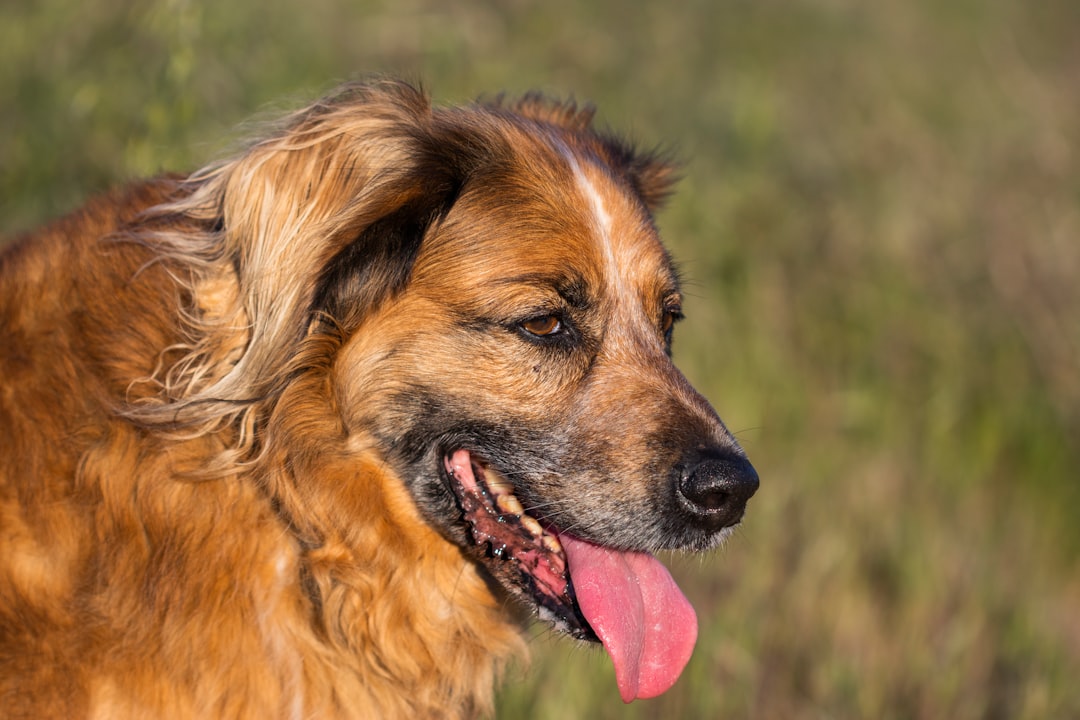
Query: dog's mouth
[[627, 600]]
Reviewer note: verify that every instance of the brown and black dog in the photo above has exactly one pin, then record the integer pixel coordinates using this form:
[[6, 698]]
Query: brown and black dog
[[278, 438]]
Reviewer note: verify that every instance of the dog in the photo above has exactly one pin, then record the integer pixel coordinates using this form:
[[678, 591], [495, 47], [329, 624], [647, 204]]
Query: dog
[[313, 431]]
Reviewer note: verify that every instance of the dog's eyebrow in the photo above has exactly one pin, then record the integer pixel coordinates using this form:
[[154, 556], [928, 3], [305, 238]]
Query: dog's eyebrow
[[571, 287]]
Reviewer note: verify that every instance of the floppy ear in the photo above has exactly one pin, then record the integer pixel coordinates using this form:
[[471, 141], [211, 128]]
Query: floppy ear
[[326, 215], [377, 262], [330, 216]]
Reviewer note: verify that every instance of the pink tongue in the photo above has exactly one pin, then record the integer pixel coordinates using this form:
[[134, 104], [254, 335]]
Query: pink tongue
[[646, 624]]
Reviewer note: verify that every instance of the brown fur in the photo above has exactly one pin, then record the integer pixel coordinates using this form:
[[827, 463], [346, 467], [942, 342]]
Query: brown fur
[[220, 394]]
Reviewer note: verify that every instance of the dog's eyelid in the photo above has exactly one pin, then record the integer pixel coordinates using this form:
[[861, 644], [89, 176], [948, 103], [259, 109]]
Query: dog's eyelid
[[672, 302], [671, 312]]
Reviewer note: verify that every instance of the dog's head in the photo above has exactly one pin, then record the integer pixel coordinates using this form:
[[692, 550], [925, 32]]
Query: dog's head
[[506, 310]]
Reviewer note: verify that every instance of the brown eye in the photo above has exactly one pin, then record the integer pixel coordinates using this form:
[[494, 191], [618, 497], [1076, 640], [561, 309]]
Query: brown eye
[[671, 315], [542, 326]]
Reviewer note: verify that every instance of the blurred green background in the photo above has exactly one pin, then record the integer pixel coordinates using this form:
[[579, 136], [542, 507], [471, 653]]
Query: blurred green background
[[880, 227]]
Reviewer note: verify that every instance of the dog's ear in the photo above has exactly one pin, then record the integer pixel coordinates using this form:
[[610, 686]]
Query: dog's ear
[[377, 262], [652, 175], [323, 216]]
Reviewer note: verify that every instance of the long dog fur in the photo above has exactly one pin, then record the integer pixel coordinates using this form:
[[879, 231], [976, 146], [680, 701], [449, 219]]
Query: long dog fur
[[198, 516]]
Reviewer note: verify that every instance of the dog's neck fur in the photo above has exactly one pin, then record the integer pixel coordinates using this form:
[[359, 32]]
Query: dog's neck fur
[[336, 605]]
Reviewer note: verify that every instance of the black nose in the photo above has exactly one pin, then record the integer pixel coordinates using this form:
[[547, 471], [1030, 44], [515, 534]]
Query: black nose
[[715, 486]]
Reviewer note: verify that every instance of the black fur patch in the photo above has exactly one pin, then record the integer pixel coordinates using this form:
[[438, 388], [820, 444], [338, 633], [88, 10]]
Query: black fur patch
[[378, 262]]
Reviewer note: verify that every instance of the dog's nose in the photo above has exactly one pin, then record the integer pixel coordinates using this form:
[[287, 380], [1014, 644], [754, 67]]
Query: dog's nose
[[715, 487]]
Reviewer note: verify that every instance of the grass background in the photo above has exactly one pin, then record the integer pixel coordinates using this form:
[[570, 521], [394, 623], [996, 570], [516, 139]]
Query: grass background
[[880, 222]]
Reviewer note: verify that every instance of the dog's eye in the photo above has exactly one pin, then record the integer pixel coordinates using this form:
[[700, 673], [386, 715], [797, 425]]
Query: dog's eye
[[667, 322], [543, 326]]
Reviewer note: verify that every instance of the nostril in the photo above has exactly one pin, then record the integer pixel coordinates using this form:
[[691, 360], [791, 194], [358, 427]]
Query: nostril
[[719, 486], [711, 498]]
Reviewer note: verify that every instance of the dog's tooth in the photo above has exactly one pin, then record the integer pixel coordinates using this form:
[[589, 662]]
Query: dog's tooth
[[532, 525], [509, 504], [499, 488], [551, 543]]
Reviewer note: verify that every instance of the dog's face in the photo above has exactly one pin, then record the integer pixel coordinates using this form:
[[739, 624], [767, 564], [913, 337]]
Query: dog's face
[[521, 382]]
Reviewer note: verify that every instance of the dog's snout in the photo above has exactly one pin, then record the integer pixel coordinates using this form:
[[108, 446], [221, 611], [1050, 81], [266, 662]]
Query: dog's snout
[[715, 488]]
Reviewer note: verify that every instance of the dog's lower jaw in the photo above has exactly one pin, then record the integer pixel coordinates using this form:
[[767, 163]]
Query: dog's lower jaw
[[529, 557]]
